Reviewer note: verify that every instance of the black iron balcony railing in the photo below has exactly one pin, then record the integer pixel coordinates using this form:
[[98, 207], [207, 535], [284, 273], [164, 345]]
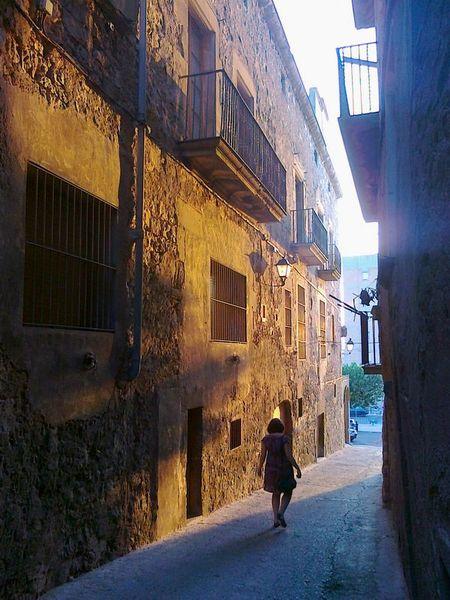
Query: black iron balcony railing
[[307, 228], [358, 79], [214, 108], [334, 259]]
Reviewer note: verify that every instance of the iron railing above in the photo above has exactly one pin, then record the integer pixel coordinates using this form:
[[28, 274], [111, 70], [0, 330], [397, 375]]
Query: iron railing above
[[214, 108], [334, 259], [358, 79], [308, 229]]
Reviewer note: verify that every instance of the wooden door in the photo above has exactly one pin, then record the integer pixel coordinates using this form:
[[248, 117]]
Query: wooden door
[[202, 79], [321, 435], [194, 462]]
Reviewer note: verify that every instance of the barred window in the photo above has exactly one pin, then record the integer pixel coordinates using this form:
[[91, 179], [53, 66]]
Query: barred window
[[322, 333], [69, 255], [301, 322], [235, 433], [287, 318], [228, 304]]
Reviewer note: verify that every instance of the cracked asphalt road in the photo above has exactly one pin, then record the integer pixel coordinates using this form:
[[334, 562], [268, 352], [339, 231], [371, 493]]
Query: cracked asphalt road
[[339, 543]]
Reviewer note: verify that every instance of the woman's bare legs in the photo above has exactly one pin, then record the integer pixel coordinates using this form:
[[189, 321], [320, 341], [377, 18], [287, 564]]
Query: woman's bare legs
[[275, 506], [285, 502]]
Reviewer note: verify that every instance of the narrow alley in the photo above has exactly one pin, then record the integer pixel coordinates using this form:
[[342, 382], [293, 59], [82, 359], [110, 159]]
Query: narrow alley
[[338, 544]]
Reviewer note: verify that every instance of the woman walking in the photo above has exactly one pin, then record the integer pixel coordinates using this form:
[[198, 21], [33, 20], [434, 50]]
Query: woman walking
[[279, 478]]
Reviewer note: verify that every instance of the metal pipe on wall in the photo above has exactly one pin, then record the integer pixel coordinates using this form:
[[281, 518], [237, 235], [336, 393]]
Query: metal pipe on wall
[[134, 367]]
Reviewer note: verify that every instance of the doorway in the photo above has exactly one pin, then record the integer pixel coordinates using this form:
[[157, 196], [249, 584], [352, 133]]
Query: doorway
[[202, 80], [321, 435], [194, 462], [284, 412]]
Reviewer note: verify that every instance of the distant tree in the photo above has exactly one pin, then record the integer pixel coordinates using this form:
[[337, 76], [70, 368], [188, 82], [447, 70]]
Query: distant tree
[[365, 390]]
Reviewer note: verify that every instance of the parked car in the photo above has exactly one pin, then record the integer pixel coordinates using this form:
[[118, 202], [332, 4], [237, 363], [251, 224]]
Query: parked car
[[354, 424], [352, 433]]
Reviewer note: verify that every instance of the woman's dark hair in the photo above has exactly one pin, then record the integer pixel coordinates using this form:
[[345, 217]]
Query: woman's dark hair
[[275, 426]]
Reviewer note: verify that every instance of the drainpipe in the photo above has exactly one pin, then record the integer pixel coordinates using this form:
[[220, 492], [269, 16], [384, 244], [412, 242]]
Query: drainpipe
[[138, 233]]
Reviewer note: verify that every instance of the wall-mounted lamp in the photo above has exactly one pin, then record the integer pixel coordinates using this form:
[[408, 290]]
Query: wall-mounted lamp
[[350, 345], [284, 269]]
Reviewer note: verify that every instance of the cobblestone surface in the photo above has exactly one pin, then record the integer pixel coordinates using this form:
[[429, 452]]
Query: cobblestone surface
[[338, 544]]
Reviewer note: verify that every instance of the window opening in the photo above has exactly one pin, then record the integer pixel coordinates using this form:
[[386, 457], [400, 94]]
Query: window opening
[[287, 318], [301, 321], [322, 333], [245, 93], [228, 304], [235, 433], [69, 255]]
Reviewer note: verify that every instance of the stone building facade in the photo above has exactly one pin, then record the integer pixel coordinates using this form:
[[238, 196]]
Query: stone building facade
[[399, 153], [94, 465]]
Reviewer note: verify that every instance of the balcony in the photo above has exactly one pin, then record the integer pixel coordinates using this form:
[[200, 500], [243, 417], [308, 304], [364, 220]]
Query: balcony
[[331, 271], [359, 121], [310, 238], [225, 145]]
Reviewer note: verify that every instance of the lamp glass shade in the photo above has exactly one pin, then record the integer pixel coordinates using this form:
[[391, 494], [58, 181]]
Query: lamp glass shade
[[283, 268], [350, 345]]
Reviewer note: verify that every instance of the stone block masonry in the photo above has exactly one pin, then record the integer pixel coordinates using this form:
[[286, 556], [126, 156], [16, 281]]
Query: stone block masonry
[[93, 466]]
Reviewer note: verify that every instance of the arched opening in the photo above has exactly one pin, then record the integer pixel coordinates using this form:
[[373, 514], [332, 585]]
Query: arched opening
[[284, 412], [347, 415]]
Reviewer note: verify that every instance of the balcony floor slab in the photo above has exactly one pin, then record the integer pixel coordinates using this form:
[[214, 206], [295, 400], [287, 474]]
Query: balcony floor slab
[[228, 175], [310, 254]]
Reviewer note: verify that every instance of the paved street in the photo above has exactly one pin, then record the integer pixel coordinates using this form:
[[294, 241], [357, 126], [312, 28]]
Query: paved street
[[368, 438], [338, 544]]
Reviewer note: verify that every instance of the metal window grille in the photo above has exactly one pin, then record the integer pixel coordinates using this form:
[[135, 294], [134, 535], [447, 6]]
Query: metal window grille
[[228, 304], [301, 322], [235, 433], [69, 255], [322, 342], [287, 318]]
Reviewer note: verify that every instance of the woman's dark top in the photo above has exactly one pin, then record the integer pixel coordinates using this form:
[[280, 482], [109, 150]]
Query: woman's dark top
[[276, 459]]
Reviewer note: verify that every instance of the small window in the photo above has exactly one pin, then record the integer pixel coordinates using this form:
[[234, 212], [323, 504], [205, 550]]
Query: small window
[[235, 434], [316, 157], [301, 323], [335, 390], [300, 407], [322, 330], [228, 304], [333, 334], [287, 318], [69, 255]]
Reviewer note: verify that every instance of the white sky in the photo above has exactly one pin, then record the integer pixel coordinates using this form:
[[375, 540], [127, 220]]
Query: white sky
[[315, 28]]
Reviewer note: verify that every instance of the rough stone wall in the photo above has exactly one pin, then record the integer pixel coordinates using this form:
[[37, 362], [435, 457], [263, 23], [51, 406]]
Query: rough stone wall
[[243, 33], [414, 280], [266, 372], [92, 467], [78, 465]]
